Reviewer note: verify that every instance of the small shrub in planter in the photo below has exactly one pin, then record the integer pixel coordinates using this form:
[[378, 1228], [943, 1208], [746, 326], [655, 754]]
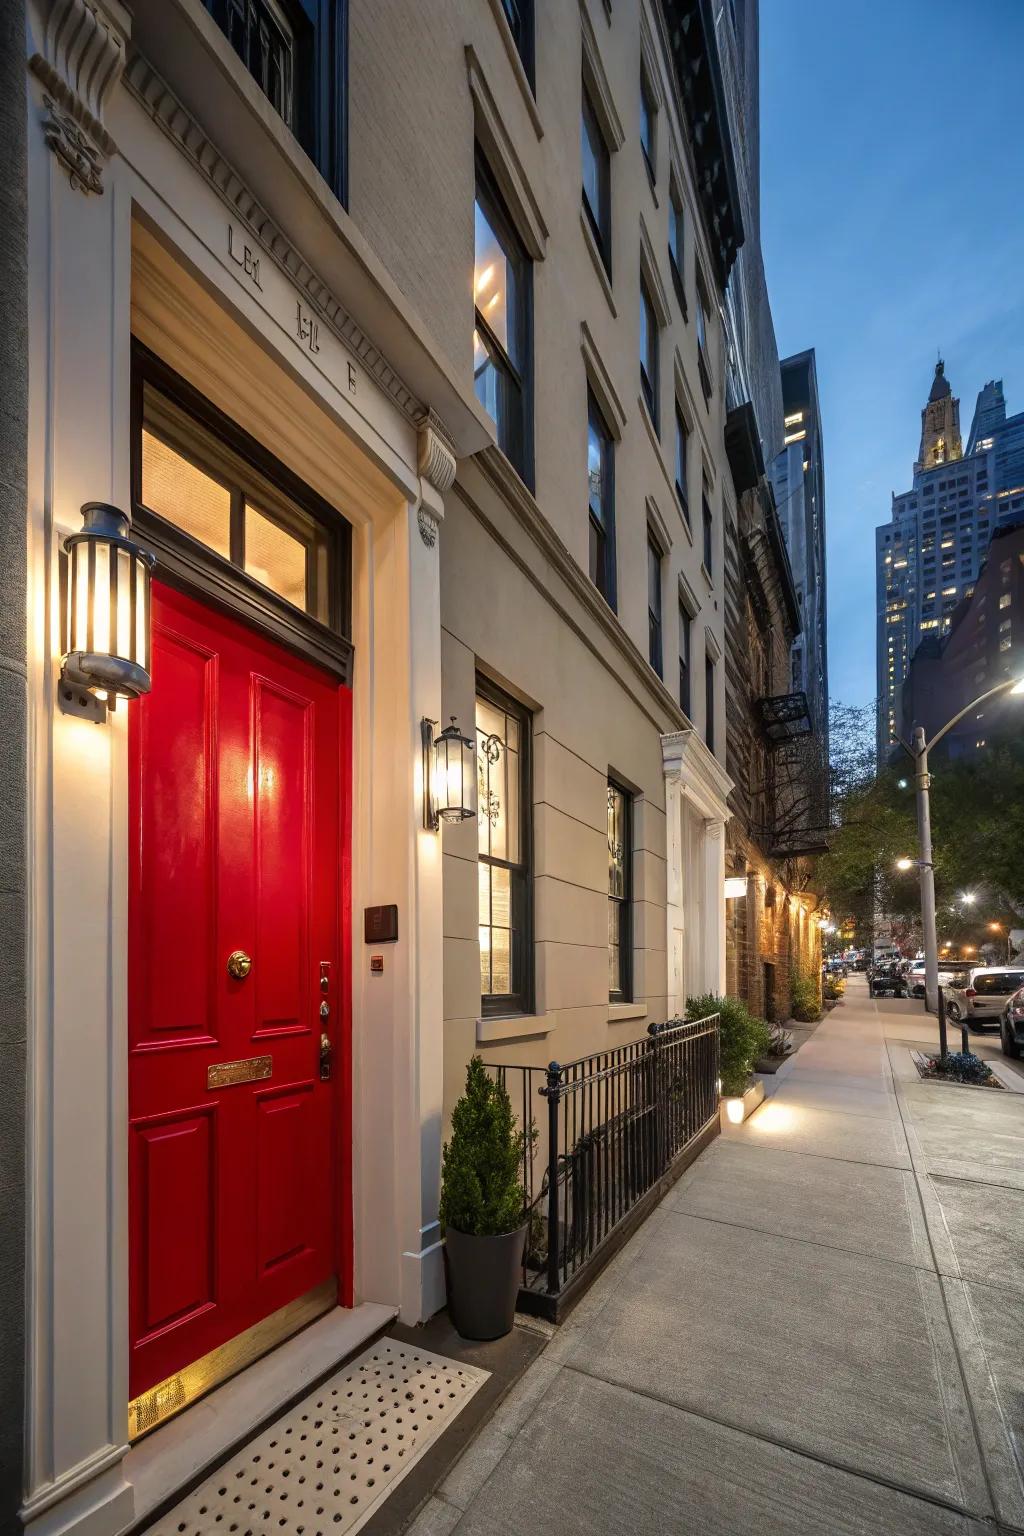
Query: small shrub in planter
[[805, 994], [960, 1067], [742, 1038], [482, 1208], [833, 989]]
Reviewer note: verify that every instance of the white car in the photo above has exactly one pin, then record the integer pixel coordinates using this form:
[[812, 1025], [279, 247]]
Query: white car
[[982, 1001], [914, 979]]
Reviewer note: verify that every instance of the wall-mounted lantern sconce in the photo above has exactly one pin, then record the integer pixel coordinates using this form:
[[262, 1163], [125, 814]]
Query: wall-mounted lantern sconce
[[449, 775], [105, 614]]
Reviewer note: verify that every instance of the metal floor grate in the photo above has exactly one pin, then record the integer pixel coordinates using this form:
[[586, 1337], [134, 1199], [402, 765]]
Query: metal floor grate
[[326, 1465]]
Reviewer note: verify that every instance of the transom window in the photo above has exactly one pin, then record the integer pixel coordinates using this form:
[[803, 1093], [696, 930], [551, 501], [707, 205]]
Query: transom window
[[504, 847], [596, 180], [620, 894], [199, 484], [501, 341], [601, 501]]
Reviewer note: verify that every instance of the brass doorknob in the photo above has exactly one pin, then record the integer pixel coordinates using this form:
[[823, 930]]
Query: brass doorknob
[[239, 964]]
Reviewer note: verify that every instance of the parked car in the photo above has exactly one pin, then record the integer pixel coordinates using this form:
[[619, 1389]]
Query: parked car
[[915, 974], [885, 980], [1011, 1025], [983, 1000]]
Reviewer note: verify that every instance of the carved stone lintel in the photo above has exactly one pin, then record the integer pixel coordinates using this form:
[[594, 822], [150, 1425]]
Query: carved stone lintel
[[428, 527], [436, 454], [82, 59]]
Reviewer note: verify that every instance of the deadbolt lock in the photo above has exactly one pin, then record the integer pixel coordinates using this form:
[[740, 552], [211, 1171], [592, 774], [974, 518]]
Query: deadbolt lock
[[325, 1058], [239, 964]]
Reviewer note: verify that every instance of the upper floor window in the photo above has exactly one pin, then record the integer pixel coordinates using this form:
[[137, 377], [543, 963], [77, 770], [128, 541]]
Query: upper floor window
[[620, 894], [601, 499], [648, 122], [684, 657], [709, 701], [709, 526], [703, 328], [505, 840], [682, 442], [596, 180], [654, 559], [296, 51], [502, 282], [677, 244], [649, 351], [519, 15]]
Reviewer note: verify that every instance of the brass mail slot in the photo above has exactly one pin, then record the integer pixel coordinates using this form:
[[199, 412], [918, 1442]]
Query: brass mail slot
[[224, 1073]]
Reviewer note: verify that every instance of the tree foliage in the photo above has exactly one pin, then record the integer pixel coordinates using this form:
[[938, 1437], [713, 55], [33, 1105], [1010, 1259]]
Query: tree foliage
[[977, 815], [481, 1170]]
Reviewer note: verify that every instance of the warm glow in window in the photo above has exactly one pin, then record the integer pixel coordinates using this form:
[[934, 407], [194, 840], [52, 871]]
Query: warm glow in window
[[275, 557], [176, 489]]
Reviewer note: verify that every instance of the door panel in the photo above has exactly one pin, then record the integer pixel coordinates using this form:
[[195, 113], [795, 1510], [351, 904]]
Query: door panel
[[236, 825]]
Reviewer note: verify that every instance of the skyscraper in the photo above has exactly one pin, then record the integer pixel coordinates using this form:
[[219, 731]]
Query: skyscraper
[[928, 555], [798, 480]]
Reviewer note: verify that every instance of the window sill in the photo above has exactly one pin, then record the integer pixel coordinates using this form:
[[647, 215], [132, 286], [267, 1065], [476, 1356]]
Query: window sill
[[623, 1013], [512, 1026], [596, 258], [522, 79]]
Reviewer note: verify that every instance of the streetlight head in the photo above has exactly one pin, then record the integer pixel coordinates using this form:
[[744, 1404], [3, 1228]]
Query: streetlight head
[[968, 898], [1018, 687], [902, 783], [904, 864]]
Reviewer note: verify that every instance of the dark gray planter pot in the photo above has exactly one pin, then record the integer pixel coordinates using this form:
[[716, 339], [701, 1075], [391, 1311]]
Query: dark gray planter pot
[[483, 1276]]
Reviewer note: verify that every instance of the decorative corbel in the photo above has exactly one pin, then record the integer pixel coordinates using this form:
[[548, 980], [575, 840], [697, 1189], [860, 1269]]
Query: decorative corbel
[[83, 53], [437, 465]]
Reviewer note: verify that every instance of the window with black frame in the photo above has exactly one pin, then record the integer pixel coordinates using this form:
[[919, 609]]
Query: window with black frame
[[601, 501], [519, 15], [502, 282], [654, 559], [620, 894], [709, 701], [677, 244], [684, 657], [682, 444], [649, 351], [504, 851], [648, 122], [596, 180], [709, 531], [296, 51]]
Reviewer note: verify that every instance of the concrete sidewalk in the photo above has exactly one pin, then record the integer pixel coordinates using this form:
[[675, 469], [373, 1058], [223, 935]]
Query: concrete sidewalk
[[821, 1328]]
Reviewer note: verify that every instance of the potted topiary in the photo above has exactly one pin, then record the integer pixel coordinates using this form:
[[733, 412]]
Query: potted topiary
[[483, 1215], [742, 1038]]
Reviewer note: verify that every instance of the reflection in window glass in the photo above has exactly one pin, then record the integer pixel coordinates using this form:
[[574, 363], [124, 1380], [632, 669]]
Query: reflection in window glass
[[274, 557], [494, 283], [178, 490], [619, 894]]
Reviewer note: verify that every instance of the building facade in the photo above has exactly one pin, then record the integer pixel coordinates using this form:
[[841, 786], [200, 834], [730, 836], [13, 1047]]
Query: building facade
[[798, 480], [399, 332], [927, 557], [984, 647]]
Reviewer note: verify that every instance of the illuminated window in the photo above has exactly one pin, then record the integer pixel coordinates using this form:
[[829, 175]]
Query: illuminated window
[[502, 279], [1004, 599], [504, 845], [620, 894]]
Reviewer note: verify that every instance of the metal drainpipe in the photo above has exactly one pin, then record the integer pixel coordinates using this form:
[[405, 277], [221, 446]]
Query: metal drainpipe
[[13, 710]]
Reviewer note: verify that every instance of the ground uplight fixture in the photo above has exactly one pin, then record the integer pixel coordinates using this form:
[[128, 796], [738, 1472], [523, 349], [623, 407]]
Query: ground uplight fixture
[[449, 775], [105, 614]]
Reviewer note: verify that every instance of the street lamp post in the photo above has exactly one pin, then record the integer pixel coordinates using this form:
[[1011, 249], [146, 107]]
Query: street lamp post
[[922, 781]]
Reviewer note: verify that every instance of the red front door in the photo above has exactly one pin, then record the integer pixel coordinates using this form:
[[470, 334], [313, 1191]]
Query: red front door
[[239, 825]]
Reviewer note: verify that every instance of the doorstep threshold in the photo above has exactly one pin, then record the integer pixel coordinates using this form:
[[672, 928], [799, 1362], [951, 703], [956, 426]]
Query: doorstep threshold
[[170, 1459]]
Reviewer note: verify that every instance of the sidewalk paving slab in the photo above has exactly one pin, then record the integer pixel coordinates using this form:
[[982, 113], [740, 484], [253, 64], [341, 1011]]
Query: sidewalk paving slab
[[824, 1133], [596, 1458]]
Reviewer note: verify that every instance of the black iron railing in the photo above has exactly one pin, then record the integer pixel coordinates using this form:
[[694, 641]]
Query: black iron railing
[[609, 1132]]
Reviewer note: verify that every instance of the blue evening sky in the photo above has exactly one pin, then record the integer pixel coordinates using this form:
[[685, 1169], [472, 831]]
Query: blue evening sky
[[892, 207]]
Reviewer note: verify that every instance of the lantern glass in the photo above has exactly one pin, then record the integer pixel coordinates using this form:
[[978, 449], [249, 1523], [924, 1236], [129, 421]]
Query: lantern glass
[[454, 775], [106, 630]]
